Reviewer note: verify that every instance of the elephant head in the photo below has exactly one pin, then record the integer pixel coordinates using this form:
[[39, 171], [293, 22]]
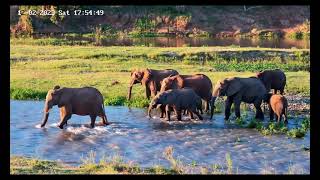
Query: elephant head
[[172, 82], [159, 99], [226, 87], [139, 76], [53, 98]]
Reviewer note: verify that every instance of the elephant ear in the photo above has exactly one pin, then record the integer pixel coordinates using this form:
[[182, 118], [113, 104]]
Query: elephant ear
[[146, 76], [63, 96], [179, 81], [234, 86], [56, 87], [132, 71]]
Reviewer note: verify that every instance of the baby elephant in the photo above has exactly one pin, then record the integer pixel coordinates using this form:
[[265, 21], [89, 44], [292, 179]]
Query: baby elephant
[[178, 99], [278, 104]]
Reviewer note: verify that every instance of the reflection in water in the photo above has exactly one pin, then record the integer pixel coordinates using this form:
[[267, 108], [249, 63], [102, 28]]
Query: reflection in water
[[142, 140], [193, 42]]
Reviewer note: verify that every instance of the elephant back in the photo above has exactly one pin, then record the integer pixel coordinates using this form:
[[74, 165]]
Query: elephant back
[[254, 86], [200, 83]]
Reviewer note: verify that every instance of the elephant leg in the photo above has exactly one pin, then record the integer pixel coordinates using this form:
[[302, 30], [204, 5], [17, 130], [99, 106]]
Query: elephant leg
[[200, 109], [197, 113], [237, 108], [281, 91], [65, 115], [178, 112], [285, 119], [206, 107], [228, 104], [148, 92], [185, 111], [276, 116], [167, 113], [104, 119], [163, 111], [64, 120], [190, 114], [279, 118], [271, 114], [257, 105], [93, 120]]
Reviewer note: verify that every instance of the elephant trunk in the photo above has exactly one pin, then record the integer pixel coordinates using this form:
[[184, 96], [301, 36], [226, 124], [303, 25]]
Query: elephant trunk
[[149, 110], [130, 89], [213, 99], [46, 114], [45, 119]]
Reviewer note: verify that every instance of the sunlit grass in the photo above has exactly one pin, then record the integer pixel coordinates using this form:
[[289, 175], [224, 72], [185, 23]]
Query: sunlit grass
[[36, 69]]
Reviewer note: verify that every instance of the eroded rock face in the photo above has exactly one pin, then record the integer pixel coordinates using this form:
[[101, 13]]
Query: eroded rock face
[[216, 21]]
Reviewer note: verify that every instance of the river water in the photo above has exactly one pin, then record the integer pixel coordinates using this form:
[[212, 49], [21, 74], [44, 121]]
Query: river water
[[191, 41], [141, 140]]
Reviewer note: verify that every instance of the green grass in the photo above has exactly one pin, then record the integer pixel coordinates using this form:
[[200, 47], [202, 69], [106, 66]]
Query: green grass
[[111, 165], [279, 128], [36, 69]]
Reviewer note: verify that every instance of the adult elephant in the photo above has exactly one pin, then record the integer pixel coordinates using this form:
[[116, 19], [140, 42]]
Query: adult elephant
[[273, 79], [149, 78], [237, 90], [80, 101], [200, 83]]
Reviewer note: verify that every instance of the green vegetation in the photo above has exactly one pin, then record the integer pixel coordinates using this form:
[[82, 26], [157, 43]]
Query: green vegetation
[[279, 128], [116, 165], [77, 66], [113, 165]]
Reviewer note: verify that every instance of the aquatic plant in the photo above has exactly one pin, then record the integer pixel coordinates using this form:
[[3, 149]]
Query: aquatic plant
[[229, 163], [175, 164]]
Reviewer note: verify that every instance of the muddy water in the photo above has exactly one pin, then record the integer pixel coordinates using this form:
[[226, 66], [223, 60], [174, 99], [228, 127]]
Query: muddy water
[[137, 138]]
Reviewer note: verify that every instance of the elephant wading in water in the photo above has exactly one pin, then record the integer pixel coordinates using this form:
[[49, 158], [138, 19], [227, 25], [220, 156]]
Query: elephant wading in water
[[149, 78], [200, 83], [273, 79], [80, 101], [178, 99], [237, 90]]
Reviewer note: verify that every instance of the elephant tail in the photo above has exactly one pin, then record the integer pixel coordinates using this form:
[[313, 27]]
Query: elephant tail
[[286, 114]]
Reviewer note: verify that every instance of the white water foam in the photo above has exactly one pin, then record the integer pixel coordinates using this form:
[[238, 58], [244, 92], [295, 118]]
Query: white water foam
[[38, 126], [53, 125]]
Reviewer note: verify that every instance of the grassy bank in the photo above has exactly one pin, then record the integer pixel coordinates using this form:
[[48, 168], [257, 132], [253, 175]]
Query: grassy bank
[[35, 69], [116, 165]]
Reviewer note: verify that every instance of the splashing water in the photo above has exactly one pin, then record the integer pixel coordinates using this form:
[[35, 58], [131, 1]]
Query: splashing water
[[142, 140]]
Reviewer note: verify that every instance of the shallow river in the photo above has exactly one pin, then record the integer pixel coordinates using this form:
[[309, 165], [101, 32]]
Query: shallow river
[[192, 42], [137, 138]]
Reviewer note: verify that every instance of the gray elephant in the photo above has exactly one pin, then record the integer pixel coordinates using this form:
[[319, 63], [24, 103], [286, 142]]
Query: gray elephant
[[237, 90], [273, 79], [178, 100], [80, 101]]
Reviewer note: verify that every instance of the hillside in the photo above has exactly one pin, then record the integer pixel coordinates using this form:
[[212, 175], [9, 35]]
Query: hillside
[[172, 20]]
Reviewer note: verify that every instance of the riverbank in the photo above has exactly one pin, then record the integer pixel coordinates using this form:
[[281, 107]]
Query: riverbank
[[35, 69], [115, 165]]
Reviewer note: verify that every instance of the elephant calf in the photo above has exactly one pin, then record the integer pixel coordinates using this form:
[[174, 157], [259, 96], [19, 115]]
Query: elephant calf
[[80, 101], [278, 104], [178, 99]]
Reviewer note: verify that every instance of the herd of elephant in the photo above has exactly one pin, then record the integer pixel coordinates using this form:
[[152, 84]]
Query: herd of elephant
[[171, 91]]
